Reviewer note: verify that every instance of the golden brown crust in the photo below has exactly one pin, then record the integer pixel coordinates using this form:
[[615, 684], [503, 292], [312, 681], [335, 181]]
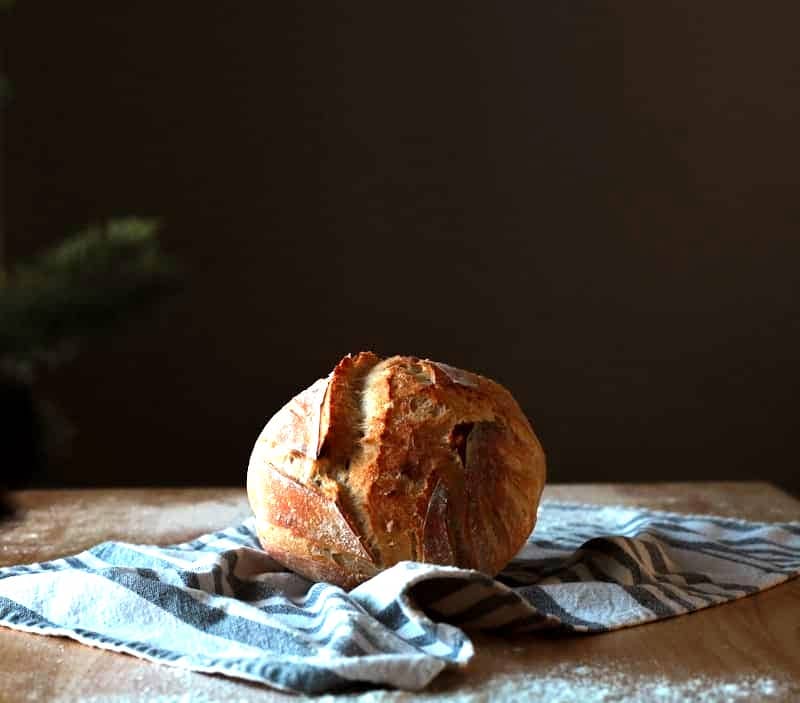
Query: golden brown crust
[[391, 460]]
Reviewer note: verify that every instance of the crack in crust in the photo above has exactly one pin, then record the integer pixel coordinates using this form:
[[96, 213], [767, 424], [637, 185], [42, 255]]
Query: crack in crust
[[344, 435]]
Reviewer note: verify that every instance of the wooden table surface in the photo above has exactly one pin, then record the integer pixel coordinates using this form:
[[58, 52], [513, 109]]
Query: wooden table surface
[[747, 650]]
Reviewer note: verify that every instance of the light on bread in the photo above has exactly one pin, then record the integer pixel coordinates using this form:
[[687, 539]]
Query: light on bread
[[391, 460]]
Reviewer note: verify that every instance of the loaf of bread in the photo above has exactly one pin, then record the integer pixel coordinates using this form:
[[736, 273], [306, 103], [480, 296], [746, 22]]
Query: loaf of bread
[[392, 460]]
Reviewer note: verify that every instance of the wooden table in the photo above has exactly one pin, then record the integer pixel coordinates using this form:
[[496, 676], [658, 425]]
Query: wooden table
[[747, 650]]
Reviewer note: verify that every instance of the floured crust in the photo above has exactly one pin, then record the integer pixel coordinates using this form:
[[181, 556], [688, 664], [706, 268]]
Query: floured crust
[[395, 459]]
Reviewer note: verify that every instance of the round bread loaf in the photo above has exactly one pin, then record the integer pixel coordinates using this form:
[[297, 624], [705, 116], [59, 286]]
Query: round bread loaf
[[392, 460]]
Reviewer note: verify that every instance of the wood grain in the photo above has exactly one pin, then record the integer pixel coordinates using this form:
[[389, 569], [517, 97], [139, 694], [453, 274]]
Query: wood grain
[[741, 650]]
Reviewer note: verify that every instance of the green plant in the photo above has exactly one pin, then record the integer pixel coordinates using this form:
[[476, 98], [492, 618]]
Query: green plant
[[85, 285]]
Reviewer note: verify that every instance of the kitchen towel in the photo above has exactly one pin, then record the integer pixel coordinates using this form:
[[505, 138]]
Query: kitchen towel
[[219, 604]]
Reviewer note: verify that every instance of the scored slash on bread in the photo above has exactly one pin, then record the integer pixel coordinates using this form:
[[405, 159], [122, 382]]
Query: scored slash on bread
[[391, 460]]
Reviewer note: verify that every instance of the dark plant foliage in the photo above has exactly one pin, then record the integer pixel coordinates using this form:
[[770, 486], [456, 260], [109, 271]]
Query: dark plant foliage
[[85, 285]]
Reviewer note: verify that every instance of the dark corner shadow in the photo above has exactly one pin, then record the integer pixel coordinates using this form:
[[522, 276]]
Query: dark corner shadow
[[7, 507]]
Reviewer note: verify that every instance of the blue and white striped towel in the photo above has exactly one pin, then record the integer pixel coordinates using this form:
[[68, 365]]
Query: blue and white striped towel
[[219, 604]]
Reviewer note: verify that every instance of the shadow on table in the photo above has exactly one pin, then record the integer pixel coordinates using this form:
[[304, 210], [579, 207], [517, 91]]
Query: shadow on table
[[6, 506]]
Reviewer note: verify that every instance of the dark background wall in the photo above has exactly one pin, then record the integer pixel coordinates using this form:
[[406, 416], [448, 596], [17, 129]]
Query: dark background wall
[[595, 203]]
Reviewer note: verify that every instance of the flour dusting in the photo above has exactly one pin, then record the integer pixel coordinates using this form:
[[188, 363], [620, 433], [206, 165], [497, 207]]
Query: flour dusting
[[587, 684]]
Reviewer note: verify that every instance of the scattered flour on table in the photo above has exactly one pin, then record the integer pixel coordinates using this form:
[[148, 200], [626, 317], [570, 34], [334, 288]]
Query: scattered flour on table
[[563, 684], [585, 684]]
